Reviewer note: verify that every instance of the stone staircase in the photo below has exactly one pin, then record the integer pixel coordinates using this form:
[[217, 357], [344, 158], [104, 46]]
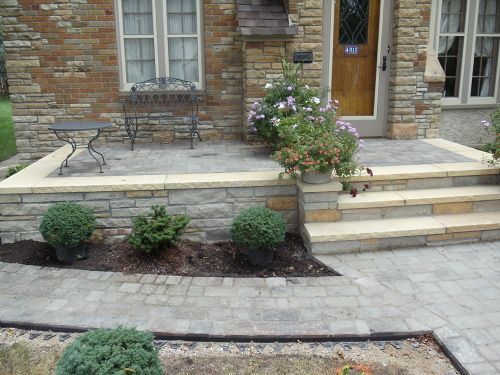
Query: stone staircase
[[425, 205]]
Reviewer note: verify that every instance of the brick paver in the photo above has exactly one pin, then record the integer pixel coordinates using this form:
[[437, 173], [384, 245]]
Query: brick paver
[[453, 291], [232, 156], [457, 289]]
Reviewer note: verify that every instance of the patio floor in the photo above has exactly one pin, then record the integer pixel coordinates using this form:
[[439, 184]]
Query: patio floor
[[232, 156]]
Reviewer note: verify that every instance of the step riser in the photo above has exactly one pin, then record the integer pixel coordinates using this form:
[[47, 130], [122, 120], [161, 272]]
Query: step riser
[[428, 183], [414, 210], [339, 247]]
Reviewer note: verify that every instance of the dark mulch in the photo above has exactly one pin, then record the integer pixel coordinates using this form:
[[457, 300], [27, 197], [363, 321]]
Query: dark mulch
[[189, 258]]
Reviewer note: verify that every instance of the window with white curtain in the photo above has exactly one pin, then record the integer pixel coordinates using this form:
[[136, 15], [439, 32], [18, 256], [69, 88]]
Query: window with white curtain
[[159, 38], [468, 46]]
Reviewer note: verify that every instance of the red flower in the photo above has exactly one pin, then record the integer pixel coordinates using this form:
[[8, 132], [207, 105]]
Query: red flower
[[354, 192], [369, 171]]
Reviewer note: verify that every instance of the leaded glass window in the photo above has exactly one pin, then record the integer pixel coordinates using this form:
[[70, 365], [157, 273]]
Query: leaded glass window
[[451, 44], [160, 38], [486, 49], [353, 28], [468, 46], [139, 40]]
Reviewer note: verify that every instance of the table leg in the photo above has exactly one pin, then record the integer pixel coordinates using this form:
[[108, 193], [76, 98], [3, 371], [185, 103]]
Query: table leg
[[72, 142], [91, 149]]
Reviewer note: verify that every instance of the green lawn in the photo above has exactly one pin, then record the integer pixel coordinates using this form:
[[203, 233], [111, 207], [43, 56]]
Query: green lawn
[[7, 137]]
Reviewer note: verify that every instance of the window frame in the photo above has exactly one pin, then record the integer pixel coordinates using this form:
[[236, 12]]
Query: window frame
[[470, 35], [160, 36]]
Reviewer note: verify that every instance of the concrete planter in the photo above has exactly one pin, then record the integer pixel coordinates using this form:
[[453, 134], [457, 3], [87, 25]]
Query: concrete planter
[[317, 177], [70, 254]]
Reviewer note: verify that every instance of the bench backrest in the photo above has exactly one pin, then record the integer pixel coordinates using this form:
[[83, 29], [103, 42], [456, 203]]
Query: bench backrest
[[163, 92]]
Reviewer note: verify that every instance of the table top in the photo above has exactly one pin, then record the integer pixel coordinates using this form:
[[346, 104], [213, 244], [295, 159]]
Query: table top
[[80, 125]]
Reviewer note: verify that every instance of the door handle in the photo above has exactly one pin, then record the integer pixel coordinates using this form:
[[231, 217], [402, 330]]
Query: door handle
[[384, 64]]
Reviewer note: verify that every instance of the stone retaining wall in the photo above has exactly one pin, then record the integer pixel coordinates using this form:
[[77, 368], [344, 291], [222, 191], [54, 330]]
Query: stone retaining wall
[[211, 210]]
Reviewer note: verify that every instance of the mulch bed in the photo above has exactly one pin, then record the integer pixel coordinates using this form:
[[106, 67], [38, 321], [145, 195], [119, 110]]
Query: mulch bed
[[189, 258]]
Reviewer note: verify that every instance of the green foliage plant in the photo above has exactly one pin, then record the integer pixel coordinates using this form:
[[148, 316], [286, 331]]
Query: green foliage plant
[[13, 169], [67, 224], [120, 351], [158, 231], [258, 228], [493, 128]]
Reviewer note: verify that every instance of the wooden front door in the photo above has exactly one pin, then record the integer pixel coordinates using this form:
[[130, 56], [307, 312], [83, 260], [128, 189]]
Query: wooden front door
[[359, 69]]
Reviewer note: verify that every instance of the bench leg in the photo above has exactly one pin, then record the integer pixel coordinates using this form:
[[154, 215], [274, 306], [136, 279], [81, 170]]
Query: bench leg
[[131, 130], [194, 131]]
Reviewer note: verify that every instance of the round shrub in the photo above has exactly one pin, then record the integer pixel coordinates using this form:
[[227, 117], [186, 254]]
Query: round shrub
[[67, 224], [117, 351], [158, 231], [13, 169], [258, 228]]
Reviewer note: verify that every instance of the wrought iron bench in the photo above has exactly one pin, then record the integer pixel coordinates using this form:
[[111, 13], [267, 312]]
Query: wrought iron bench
[[151, 100]]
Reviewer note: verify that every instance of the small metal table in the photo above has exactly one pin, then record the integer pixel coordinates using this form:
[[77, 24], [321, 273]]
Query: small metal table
[[76, 126]]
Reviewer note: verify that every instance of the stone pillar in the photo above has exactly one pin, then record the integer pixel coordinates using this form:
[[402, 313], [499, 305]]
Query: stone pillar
[[261, 64], [262, 55], [414, 99]]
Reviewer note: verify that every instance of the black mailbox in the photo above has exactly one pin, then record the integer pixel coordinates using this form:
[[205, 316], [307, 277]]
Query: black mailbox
[[302, 57]]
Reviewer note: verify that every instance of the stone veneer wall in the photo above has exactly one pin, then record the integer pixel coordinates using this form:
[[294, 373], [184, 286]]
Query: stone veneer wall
[[464, 126], [262, 58], [62, 64], [414, 103], [211, 210]]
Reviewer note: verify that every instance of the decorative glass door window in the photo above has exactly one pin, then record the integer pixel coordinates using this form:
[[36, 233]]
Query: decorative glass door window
[[159, 38], [353, 28]]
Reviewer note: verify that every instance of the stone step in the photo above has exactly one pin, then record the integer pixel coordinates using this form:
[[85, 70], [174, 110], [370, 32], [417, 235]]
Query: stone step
[[428, 176], [419, 197], [349, 236], [419, 202]]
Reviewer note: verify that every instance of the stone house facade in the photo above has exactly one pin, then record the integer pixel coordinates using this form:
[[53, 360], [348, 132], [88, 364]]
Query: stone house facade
[[76, 59]]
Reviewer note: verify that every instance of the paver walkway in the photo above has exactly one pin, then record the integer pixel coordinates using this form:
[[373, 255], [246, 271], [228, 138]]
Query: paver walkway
[[453, 290]]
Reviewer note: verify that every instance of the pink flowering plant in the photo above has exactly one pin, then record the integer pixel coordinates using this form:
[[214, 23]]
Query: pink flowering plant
[[285, 98], [318, 144], [493, 127], [304, 130]]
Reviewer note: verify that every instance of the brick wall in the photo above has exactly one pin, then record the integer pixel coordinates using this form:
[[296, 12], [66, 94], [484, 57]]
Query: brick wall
[[62, 64]]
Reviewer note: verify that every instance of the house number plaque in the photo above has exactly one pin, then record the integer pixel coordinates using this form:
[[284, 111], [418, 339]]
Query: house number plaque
[[351, 50]]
